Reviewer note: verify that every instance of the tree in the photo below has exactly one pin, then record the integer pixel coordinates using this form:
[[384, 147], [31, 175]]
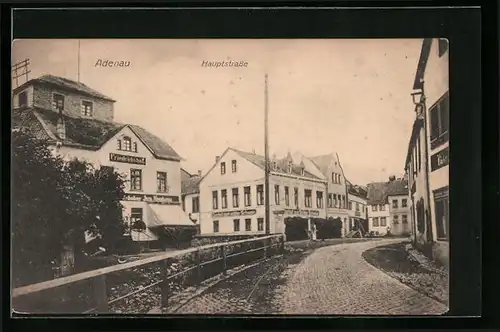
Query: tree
[[55, 202]]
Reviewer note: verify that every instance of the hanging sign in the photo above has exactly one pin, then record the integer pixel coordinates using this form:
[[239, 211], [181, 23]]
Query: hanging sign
[[440, 159]]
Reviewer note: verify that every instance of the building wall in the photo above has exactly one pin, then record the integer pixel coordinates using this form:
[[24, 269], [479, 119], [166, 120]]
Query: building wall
[[400, 228], [353, 213], [188, 205], [42, 97], [338, 188], [29, 92], [373, 214]]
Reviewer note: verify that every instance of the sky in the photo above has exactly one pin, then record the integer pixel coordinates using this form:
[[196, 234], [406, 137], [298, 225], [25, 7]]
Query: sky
[[346, 96]]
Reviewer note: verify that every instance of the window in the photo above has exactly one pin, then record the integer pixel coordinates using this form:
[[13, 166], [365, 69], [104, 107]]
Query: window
[[260, 194], [134, 147], [196, 204], [375, 222], [442, 214], [340, 201], [395, 203], [296, 196], [383, 221], [136, 219], [419, 156], [161, 182], [439, 121], [57, 101], [236, 225], [289, 167], [215, 200], [350, 205], [222, 168], [260, 224], [395, 219], [287, 197], [319, 199], [334, 200], [119, 144], [87, 108], [343, 202], [135, 179], [442, 46], [233, 166], [382, 207], [404, 218], [248, 225], [23, 99], [404, 202], [333, 177], [307, 198], [362, 207], [127, 144], [216, 226], [247, 196], [302, 171], [374, 208], [277, 195], [275, 165], [236, 197], [223, 194], [330, 200]]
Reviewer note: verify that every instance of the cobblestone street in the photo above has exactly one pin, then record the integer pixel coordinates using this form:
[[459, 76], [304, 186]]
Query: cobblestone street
[[333, 280]]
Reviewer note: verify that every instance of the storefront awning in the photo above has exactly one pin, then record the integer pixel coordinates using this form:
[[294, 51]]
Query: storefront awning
[[168, 215]]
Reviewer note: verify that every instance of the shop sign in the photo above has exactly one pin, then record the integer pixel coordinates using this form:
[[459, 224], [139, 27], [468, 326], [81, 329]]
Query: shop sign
[[298, 212], [155, 199], [237, 213], [440, 159], [121, 158]]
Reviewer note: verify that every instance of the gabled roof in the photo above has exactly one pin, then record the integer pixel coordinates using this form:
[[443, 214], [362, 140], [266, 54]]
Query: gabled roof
[[190, 185], [282, 164], [356, 190], [323, 162], [65, 84], [379, 191], [88, 133]]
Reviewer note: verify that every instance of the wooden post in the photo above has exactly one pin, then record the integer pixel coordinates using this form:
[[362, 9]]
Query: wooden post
[[224, 259], [165, 286], [282, 244], [265, 248], [100, 294], [198, 266]]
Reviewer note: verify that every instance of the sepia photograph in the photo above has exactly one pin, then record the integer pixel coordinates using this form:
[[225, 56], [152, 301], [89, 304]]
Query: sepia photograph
[[230, 176]]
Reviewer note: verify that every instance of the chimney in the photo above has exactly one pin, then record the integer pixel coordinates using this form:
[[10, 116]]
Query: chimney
[[199, 172], [217, 158]]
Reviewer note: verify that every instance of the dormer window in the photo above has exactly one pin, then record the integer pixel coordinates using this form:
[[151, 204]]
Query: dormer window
[[23, 99], [302, 171], [275, 165], [87, 108], [57, 101], [289, 167]]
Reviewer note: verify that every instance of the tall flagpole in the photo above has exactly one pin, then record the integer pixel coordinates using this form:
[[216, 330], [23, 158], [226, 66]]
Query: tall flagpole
[[78, 60], [266, 149]]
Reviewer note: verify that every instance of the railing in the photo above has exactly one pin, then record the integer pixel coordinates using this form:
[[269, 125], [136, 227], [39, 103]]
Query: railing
[[108, 289]]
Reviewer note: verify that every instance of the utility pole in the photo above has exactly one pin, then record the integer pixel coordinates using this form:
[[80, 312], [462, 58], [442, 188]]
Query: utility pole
[[20, 69], [266, 152]]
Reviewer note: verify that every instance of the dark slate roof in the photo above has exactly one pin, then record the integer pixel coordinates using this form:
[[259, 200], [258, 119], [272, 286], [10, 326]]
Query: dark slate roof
[[356, 190], [66, 84], [379, 191], [191, 185], [90, 133], [282, 164]]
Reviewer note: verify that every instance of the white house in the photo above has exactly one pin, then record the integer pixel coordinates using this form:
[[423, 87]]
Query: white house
[[232, 194], [378, 208], [357, 208], [77, 122]]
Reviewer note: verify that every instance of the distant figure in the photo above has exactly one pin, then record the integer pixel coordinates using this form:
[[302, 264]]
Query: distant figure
[[313, 232]]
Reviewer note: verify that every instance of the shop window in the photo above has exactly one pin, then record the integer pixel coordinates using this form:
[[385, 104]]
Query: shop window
[[223, 194], [260, 224], [135, 179], [248, 197], [215, 200], [442, 214], [248, 225], [236, 225], [260, 194]]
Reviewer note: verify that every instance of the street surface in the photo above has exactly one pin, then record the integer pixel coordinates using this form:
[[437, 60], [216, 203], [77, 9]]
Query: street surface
[[333, 280]]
